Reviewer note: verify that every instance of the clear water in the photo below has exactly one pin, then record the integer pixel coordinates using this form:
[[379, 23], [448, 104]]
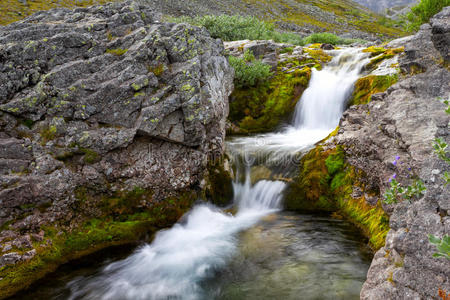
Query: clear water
[[259, 252]]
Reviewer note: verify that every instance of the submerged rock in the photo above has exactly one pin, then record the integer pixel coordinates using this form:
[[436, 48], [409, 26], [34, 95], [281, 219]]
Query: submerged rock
[[104, 111]]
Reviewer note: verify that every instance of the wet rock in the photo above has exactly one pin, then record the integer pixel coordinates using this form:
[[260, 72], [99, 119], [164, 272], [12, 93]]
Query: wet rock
[[327, 47]]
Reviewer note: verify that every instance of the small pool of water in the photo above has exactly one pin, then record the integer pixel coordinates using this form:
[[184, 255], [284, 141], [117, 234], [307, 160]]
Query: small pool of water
[[285, 256]]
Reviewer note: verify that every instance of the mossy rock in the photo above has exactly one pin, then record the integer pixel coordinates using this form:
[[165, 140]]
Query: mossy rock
[[264, 107], [219, 188], [380, 54], [325, 182], [365, 87], [122, 221]]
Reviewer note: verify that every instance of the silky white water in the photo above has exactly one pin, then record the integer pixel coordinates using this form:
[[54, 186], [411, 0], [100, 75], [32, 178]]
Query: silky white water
[[317, 112], [176, 263]]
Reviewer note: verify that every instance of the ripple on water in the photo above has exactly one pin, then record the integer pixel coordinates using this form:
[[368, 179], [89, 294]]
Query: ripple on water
[[290, 256]]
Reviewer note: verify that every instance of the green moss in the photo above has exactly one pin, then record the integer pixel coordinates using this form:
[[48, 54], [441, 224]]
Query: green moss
[[379, 54], [262, 108], [334, 162], [124, 224], [219, 186], [318, 54], [287, 50], [90, 156], [325, 183], [365, 87], [157, 70], [117, 52]]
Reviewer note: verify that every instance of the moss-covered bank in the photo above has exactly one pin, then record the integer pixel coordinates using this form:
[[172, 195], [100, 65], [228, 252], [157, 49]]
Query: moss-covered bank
[[326, 183], [120, 221], [265, 106], [365, 87]]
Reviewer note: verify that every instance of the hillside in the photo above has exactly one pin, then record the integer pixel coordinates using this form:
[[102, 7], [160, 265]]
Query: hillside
[[304, 16], [381, 6]]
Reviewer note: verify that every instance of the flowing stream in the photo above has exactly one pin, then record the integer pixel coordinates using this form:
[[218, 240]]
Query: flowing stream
[[259, 252]]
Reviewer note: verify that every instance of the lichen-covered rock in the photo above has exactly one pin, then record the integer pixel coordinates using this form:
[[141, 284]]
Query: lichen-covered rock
[[403, 122], [440, 27], [98, 101]]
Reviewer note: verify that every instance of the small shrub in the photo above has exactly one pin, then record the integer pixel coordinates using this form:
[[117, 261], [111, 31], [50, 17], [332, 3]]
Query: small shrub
[[249, 74], [234, 28], [287, 50], [329, 38], [422, 12]]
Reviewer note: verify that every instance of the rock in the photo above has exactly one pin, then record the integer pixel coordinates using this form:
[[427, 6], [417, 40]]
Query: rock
[[327, 47], [23, 242], [440, 28], [104, 100], [404, 121], [9, 259]]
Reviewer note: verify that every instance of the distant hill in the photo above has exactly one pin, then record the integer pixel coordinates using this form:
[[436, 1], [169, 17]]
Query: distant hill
[[381, 6], [343, 17]]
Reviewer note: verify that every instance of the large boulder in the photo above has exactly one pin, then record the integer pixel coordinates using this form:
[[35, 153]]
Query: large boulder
[[394, 134], [98, 101]]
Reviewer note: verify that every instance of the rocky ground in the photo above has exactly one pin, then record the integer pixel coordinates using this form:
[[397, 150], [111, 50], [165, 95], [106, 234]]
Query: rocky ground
[[343, 17], [104, 111], [404, 121]]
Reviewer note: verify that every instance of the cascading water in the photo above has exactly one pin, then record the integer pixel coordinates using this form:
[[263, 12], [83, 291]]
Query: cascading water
[[180, 259], [317, 112]]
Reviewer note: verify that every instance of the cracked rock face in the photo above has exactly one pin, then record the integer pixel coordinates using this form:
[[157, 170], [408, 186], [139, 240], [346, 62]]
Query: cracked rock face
[[106, 98], [404, 121]]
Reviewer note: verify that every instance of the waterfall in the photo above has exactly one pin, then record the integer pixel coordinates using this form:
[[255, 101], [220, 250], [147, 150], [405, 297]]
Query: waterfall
[[174, 265]]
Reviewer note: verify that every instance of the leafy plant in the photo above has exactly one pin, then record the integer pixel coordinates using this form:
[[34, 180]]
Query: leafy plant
[[422, 12], [249, 73], [442, 245], [397, 191]]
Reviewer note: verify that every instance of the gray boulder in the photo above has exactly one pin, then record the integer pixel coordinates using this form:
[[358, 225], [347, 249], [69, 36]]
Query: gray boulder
[[106, 99], [404, 121]]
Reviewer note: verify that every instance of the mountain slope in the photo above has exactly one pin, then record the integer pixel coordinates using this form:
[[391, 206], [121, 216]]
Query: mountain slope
[[382, 5], [304, 16]]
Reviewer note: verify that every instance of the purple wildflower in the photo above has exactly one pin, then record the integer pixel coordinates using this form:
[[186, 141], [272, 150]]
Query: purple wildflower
[[394, 162], [397, 157]]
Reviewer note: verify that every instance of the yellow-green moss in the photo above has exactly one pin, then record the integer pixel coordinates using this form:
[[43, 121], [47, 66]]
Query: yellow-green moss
[[262, 108], [219, 189], [121, 222], [365, 87], [117, 52], [14, 10], [379, 54], [325, 183], [318, 54]]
